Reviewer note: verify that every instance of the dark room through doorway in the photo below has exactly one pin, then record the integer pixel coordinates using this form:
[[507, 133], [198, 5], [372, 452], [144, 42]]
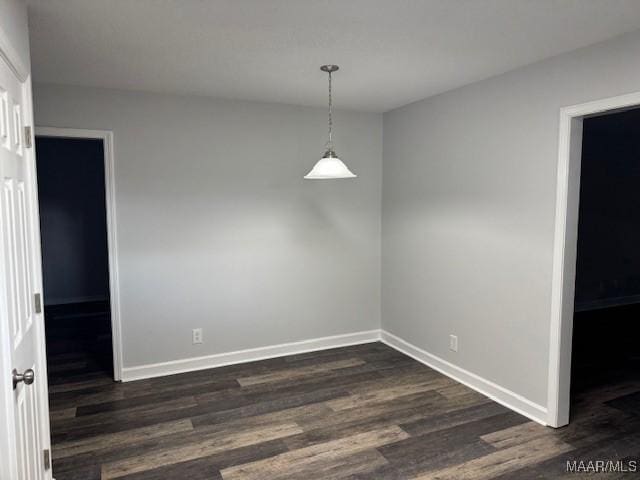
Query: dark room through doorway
[[75, 259], [606, 324]]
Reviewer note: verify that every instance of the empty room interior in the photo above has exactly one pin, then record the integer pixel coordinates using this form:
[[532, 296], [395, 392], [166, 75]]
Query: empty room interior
[[336, 239]]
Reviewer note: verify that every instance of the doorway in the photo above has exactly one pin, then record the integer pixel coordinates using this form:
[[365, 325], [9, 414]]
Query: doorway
[[606, 354], [77, 208], [592, 303]]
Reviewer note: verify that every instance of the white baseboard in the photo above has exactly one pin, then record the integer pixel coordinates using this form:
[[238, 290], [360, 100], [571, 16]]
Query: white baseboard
[[250, 355], [495, 392]]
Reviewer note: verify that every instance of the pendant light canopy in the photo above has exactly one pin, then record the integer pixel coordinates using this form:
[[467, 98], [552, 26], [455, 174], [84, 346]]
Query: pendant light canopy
[[330, 165]]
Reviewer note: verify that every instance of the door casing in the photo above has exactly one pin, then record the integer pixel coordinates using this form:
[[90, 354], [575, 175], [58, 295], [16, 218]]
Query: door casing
[[112, 239], [565, 247]]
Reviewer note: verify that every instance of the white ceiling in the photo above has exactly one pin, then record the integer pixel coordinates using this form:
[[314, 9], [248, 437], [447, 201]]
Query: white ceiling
[[391, 52]]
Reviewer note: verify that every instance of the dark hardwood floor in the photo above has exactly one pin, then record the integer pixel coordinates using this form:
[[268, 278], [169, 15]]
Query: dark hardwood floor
[[361, 412], [78, 338]]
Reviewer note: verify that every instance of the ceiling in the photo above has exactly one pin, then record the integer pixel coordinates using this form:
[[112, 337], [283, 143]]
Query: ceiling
[[391, 52]]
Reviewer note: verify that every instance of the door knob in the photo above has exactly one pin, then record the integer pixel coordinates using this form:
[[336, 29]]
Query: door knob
[[27, 377]]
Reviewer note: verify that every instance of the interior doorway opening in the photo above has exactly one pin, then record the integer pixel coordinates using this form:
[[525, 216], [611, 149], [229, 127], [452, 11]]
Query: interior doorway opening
[[606, 354], [80, 298], [592, 312]]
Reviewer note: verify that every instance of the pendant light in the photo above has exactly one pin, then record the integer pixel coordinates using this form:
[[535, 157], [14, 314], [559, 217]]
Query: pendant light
[[330, 165]]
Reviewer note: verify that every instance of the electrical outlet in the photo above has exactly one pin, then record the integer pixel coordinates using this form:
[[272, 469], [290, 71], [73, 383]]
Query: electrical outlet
[[197, 335], [453, 343]]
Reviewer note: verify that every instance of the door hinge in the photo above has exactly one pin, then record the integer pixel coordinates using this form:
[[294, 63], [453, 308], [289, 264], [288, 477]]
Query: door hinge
[[28, 137], [37, 300], [47, 459]]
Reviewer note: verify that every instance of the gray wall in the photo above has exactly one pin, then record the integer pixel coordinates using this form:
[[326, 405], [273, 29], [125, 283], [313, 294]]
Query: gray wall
[[212, 211], [216, 227], [468, 212]]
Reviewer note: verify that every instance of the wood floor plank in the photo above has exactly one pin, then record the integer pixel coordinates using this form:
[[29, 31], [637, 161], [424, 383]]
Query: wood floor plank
[[205, 432], [417, 463], [296, 461], [90, 472], [297, 372], [114, 453], [604, 393], [411, 374], [268, 406], [137, 403], [452, 417], [623, 447], [327, 426], [431, 399], [602, 424], [629, 403], [446, 447], [382, 395], [336, 430], [135, 413], [340, 467], [86, 396], [320, 415], [298, 414], [64, 414], [502, 461], [516, 435], [80, 385], [197, 450], [260, 392], [129, 437], [208, 468]]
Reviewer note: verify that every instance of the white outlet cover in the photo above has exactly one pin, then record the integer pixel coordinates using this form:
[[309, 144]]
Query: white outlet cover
[[197, 335], [453, 343]]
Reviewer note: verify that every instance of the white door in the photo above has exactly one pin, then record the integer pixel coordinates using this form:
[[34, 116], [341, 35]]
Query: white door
[[24, 381]]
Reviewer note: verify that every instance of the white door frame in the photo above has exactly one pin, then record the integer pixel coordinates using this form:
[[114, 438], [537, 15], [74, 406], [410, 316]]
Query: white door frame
[[112, 239], [565, 247]]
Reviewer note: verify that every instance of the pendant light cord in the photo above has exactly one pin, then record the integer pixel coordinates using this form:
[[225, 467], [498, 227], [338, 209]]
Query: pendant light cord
[[330, 143]]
